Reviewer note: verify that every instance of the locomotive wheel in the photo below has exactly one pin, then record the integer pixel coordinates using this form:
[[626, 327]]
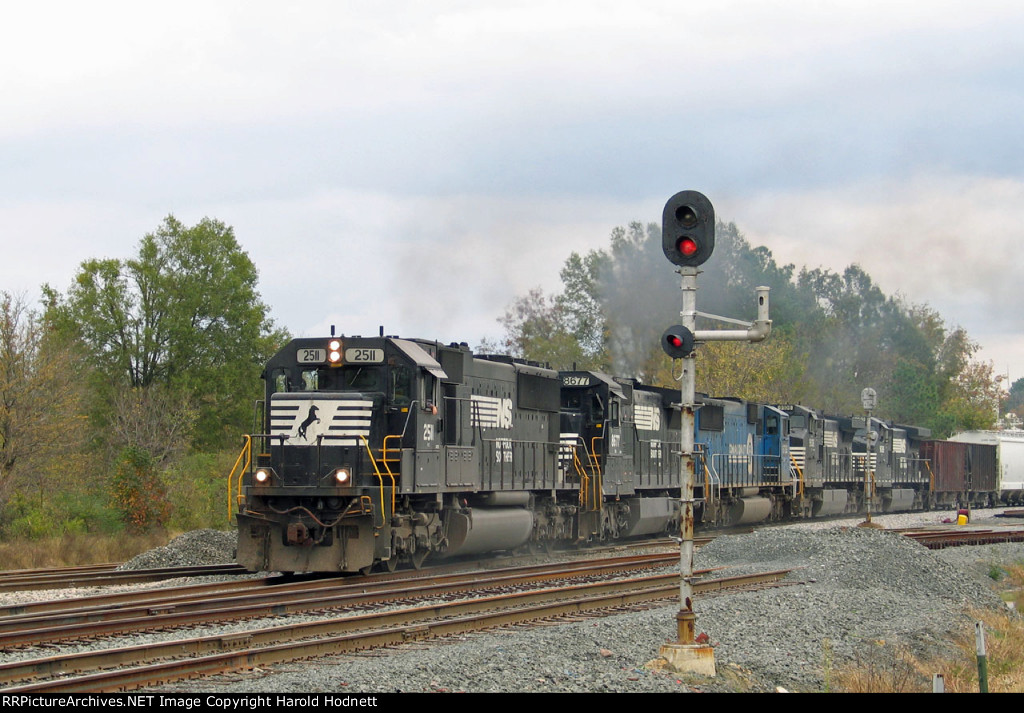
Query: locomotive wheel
[[417, 558], [391, 564]]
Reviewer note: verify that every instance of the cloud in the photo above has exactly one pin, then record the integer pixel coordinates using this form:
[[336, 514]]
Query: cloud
[[950, 241], [421, 165]]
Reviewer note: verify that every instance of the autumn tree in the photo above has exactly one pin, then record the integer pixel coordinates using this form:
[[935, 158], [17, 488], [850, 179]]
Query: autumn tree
[[617, 301], [41, 399]]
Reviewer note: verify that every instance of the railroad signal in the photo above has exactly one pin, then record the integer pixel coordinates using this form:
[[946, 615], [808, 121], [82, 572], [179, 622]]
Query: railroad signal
[[688, 229], [677, 341]]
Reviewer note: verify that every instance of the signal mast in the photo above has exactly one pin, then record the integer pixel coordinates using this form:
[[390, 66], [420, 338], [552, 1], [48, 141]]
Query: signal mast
[[688, 239]]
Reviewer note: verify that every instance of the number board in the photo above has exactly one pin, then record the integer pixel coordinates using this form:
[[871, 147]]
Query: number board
[[364, 355], [311, 356], [575, 381]]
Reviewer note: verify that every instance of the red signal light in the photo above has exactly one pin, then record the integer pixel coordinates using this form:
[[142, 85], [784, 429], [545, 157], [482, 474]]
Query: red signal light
[[688, 229], [687, 246], [677, 341]]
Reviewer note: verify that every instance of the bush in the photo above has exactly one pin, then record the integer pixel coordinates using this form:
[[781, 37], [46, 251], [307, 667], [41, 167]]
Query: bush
[[197, 491], [137, 493], [39, 515]]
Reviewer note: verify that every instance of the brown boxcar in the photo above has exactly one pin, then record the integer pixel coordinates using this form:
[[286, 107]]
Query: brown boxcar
[[961, 467]]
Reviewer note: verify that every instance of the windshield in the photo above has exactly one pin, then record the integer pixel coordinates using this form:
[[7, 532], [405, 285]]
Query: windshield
[[346, 378]]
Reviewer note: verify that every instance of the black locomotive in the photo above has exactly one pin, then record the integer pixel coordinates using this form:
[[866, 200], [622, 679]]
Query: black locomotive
[[381, 450]]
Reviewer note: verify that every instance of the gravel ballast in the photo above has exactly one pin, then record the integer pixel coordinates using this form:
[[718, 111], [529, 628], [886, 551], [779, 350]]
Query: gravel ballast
[[856, 595]]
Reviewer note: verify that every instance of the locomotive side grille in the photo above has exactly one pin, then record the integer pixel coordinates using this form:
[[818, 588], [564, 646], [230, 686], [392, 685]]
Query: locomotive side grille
[[798, 454], [647, 418], [485, 411]]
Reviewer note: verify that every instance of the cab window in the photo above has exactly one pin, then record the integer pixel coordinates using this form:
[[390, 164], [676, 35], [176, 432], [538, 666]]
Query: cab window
[[310, 380], [400, 386], [280, 381]]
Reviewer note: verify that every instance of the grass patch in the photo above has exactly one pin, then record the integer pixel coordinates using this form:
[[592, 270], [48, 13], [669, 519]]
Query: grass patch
[[73, 550], [887, 668]]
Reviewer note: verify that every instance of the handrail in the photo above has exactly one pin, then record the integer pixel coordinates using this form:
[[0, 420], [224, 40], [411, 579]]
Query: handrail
[[800, 475], [594, 460], [380, 477], [384, 450], [584, 477], [246, 454]]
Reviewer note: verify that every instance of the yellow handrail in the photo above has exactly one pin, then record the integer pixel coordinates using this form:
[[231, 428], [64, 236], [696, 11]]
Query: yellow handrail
[[800, 473], [584, 478], [380, 477], [595, 462], [246, 456], [384, 452]]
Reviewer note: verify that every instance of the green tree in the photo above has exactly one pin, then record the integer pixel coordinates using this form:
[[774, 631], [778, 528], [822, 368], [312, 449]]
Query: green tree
[[183, 315]]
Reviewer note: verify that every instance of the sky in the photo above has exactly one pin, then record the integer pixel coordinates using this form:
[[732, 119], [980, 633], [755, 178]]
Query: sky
[[418, 166]]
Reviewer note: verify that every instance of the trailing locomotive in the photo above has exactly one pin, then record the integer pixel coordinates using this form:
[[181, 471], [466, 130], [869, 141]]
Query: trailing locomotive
[[381, 450]]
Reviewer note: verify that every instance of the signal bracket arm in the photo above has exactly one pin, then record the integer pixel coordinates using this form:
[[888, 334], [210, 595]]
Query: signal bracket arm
[[756, 331]]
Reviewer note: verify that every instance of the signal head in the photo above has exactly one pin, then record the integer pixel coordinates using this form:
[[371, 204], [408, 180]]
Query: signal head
[[677, 341], [688, 229]]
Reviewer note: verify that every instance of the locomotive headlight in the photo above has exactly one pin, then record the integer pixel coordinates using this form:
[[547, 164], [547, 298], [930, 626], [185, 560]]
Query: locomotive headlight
[[262, 476], [334, 351], [341, 476]]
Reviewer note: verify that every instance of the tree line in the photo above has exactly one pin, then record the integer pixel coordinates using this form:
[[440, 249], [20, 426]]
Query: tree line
[[122, 398], [833, 334]]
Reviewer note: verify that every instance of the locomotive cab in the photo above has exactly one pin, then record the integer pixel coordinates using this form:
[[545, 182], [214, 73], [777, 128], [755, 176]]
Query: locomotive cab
[[592, 406], [338, 417]]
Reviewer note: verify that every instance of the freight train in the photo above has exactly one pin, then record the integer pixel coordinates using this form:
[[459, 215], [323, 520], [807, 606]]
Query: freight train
[[377, 451]]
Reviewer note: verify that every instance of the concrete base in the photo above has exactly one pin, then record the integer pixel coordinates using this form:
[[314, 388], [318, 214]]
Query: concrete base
[[689, 658]]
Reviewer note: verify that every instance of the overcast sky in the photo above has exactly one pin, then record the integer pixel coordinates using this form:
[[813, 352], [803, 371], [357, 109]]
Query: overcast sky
[[419, 165]]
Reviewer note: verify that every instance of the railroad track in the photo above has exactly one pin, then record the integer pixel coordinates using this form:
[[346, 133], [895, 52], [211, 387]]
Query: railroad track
[[501, 598], [90, 617], [100, 575], [103, 575], [938, 539], [424, 605]]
